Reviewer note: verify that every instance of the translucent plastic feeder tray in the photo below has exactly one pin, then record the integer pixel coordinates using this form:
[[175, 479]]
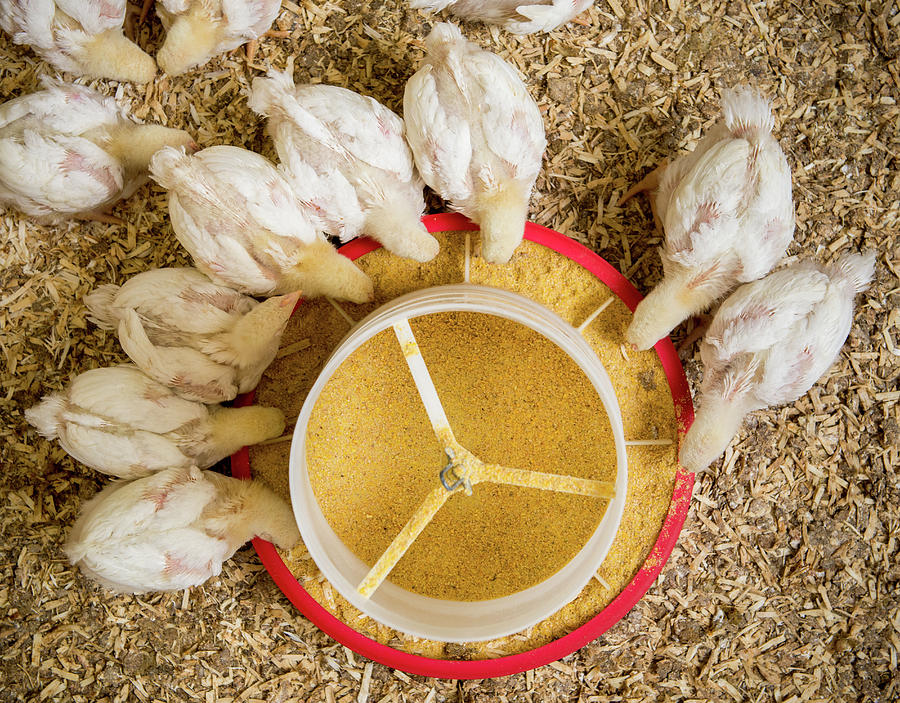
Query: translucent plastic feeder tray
[[432, 618]]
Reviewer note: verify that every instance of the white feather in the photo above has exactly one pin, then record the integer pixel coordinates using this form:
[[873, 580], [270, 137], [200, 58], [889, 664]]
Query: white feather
[[516, 16], [173, 529], [349, 163], [768, 343], [727, 214], [244, 226], [477, 135], [120, 421]]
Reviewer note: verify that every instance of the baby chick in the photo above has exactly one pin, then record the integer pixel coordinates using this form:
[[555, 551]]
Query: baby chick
[[197, 30], [768, 344], [173, 529], [121, 422], [68, 151], [83, 37], [348, 161], [517, 16], [727, 214], [477, 136], [205, 341], [243, 224]]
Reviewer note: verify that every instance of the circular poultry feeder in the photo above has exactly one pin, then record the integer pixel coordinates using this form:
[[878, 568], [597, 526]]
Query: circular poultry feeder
[[435, 618], [394, 606]]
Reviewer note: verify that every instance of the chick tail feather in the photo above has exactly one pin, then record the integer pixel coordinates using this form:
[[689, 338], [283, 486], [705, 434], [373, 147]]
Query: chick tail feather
[[99, 304], [233, 428], [502, 219], [112, 55], [856, 270], [173, 169], [191, 41], [545, 18], [747, 114], [273, 94], [44, 416], [664, 308], [716, 423], [399, 228]]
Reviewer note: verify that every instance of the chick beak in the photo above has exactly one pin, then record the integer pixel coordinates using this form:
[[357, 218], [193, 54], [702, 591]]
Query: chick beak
[[290, 299]]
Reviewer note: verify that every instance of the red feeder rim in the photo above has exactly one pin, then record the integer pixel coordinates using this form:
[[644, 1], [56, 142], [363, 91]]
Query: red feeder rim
[[602, 621]]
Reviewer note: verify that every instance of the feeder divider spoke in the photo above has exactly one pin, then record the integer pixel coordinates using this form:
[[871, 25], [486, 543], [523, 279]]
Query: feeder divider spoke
[[468, 470], [404, 539], [422, 378], [548, 482]]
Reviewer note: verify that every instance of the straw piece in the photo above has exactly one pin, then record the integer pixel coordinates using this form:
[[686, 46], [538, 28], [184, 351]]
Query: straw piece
[[341, 311], [289, 349], [593, 316]]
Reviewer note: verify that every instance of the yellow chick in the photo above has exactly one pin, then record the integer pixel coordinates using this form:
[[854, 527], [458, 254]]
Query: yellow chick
[[173, 529], [83, 37], [243, 224], [121, 422], [727, 214], [204, 341], [68, 151], [197, 30], [477, 136]]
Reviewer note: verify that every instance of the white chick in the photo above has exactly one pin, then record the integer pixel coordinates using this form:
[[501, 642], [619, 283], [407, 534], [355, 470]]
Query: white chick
[[83, 37], [121, 422], [68, 151], [241, 221], [205, 341], [517, 16], [348, 161], [727, 214], [477, 136], [768, 343], [197, 30], [173, 529]]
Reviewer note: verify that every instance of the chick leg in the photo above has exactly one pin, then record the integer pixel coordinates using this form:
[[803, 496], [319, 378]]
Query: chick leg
[[648, 182], [253, 44], [145, 10], [702, 323], [96, 216]]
